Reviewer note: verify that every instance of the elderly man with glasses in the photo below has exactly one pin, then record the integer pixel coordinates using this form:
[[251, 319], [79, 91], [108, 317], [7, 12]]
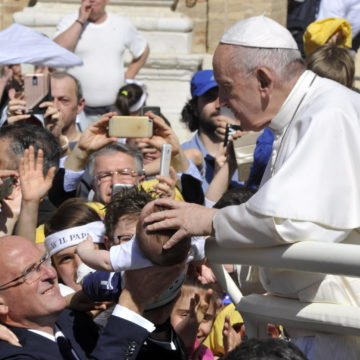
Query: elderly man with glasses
[[114, 164]]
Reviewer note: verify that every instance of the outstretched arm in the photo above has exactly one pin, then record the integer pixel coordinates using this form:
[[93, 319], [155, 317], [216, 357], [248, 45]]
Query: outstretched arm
[[96, 259]]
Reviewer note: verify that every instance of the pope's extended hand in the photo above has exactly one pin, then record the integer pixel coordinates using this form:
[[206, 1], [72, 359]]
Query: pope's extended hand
[[188, 219]]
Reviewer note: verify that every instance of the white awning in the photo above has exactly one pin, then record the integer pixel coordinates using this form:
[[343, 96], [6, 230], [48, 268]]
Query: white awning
[[22, 45]]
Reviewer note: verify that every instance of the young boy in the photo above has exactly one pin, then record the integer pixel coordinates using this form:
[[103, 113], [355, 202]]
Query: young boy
[[144, 249]]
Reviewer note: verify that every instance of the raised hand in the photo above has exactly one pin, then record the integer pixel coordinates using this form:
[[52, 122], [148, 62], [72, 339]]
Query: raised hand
[[163, 133], [232, 337], [34, 184], [166, 185], [200, 305], [16, 110], [96, 136], [84, 10], [52, 119]]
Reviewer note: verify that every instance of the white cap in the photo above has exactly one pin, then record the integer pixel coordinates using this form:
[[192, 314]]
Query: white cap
[[259, 32]]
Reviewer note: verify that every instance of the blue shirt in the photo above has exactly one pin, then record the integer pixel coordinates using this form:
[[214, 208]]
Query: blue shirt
[[262, 154], [102, 286], [209, 162]]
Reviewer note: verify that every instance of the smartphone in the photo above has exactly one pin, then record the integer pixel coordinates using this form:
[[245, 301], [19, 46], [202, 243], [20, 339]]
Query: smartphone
[[165, 160], [130, 127], [36, 90], [118, 187], [7, 186], [154, 109], [230, 130]]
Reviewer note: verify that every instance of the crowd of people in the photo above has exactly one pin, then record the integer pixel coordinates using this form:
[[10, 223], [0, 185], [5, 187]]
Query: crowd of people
[[102, 256]]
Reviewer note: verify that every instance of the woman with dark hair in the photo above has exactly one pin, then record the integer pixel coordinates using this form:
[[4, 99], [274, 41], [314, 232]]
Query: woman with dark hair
[[131, 98]]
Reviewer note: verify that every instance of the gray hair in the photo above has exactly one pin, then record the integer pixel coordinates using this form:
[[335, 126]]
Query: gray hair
[[117, 148], [285, 63]]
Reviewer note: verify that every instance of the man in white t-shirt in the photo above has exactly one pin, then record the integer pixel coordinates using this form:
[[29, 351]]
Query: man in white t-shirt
[[100, 39]]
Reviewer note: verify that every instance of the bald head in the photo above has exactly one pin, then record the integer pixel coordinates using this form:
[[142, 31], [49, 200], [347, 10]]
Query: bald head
[[11, 249]]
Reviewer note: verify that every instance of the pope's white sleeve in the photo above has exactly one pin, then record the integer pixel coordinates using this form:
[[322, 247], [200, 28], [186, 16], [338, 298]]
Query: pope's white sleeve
[[293, 230], [238, 226], [128, 256]]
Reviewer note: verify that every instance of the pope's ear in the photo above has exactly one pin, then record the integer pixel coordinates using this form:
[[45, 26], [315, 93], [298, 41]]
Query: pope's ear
[[265, 78]]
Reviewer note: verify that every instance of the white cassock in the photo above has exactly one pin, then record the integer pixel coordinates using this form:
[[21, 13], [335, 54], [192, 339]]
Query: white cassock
[[310, 192]]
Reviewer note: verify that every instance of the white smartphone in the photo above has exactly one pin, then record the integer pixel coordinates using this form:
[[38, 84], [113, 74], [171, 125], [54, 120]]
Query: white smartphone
[[165, 160], [130, 126]]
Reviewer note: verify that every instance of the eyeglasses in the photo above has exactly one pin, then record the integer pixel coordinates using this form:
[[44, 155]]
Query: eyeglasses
[[30, 275], [105, 176]]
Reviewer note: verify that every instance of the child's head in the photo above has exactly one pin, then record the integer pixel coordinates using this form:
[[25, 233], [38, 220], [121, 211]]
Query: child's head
[[333, 62], [122, 214], [151, 243], [185, 303], [122, 217]]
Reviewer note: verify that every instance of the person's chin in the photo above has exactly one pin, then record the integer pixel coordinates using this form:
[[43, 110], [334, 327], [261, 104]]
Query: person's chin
[[105, 199]]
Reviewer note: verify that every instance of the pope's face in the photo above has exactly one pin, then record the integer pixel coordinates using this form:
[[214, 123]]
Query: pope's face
[[239, 91]]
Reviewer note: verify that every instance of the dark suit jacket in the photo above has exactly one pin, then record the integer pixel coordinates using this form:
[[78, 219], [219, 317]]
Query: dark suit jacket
[[121, 340]]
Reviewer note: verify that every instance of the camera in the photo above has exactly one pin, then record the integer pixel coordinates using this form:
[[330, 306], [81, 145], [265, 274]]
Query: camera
[[230, 131]]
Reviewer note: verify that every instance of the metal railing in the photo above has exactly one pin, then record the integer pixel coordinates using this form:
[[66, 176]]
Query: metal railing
[[258, 310]]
